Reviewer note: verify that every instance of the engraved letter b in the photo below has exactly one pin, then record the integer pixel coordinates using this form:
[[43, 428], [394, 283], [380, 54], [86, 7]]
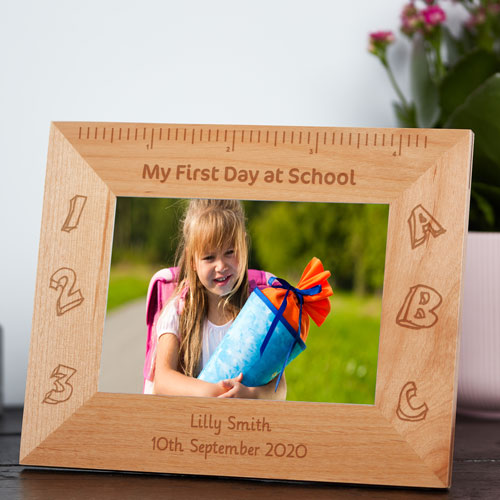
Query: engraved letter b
[[418, 308]]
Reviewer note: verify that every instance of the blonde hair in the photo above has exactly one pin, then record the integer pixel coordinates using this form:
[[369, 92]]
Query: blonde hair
[[207, 224]]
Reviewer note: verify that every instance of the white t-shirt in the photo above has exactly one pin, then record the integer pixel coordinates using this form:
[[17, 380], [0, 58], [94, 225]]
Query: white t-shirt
[[168, 323]]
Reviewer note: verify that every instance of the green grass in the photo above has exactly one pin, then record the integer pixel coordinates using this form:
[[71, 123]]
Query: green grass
[[339, 364], [127, 283]]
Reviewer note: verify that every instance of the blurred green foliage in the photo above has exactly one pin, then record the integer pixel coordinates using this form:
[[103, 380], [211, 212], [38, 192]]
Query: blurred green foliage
[[348, 238], [128, 282], [454, 56], [146, 230], [339, 364]]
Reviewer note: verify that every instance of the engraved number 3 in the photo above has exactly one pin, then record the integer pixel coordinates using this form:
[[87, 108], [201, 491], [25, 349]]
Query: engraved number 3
[[65, 279], [62, 390]]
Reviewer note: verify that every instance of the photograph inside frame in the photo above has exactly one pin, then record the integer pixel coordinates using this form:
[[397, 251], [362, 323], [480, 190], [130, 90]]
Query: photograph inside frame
[[324, 260]]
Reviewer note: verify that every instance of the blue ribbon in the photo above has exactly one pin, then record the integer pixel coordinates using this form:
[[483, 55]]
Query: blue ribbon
[[299, 294]]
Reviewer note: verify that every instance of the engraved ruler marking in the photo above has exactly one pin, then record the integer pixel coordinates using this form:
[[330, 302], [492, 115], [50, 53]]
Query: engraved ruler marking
[[152, 136]]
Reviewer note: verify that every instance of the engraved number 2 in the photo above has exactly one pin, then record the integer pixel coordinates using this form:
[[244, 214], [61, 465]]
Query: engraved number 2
[[64, 279]]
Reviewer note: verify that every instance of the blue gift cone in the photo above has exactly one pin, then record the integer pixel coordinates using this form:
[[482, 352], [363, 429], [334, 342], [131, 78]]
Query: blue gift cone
[[240, 349]]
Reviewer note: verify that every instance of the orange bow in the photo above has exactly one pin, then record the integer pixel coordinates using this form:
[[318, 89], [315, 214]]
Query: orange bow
[[315, 306]]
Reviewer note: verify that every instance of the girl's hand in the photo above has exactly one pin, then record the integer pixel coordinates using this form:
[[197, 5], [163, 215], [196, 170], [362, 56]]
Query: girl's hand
[[235, 389]]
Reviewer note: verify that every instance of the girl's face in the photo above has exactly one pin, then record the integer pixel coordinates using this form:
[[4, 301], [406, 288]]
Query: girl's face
[[217, 270]]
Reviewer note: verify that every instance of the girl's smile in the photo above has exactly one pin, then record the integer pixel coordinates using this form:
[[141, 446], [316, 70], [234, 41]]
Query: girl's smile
[[218, 270], [222, 281]]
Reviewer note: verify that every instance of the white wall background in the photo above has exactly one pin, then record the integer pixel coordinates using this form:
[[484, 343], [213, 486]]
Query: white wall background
[[268, 62]]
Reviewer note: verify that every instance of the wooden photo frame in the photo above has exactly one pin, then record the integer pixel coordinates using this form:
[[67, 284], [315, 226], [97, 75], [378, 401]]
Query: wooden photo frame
[[405, 438]]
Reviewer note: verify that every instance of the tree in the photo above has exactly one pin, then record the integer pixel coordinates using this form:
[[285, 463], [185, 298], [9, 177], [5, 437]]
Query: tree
[[348, 238]]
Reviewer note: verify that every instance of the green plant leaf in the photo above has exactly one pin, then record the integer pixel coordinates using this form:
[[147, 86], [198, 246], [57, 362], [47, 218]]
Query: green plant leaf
[[467, 75], [481, 113], [405, 117], [469, 40], [489, 191], [485, 218], [423, 88], [454, 48], [485, 207], [485, 171]]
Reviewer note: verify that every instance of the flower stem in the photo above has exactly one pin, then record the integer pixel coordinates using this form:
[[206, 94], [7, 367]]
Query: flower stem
[[435, 43], [439, 63], [395, 84]]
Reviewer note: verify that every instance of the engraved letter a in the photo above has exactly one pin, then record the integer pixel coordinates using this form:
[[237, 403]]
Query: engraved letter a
[[422, 224]]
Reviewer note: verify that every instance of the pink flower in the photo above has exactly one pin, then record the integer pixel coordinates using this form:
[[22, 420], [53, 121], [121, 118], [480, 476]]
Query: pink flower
[[476, 19], [386, 37], [411, 19], [378, 42], [409, 11], [494, 8], [434, 15]]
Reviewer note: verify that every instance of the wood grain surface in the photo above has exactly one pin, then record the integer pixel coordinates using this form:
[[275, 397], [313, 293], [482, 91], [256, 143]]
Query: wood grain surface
[[476, 474]]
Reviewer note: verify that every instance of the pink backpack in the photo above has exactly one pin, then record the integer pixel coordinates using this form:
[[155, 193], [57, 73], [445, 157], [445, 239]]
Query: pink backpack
[[161, 288]]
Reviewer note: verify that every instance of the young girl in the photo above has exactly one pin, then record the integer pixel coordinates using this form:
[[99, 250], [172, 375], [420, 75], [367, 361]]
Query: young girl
[[213, 287]]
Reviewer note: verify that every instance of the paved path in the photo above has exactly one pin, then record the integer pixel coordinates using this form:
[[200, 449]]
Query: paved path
[[123, 349]]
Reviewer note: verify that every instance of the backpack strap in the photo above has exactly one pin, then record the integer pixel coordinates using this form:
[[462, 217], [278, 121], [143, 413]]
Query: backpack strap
[[161, 287], [257, 279]]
